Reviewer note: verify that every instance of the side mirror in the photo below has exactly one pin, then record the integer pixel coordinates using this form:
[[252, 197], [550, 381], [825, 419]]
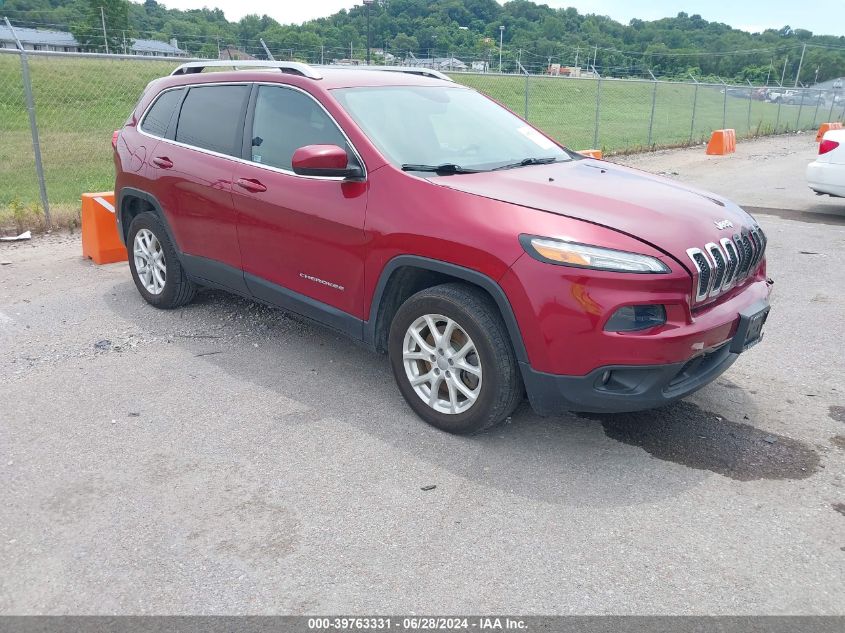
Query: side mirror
[[324, 160]]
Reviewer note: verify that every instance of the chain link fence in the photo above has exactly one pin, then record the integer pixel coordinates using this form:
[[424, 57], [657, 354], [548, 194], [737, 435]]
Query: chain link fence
[[80, 99]]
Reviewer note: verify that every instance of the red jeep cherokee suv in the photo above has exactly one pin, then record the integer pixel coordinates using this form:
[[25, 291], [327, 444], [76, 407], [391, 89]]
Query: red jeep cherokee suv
[[433, 224]]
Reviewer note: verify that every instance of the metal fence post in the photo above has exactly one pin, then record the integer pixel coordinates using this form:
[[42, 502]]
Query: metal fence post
[[748, 117], [800, 107], [818, 103], [33, 126], [777, 120], [526, 90], [832, 102], [598, 108], [725, 107], [694, 104], [651, 119]]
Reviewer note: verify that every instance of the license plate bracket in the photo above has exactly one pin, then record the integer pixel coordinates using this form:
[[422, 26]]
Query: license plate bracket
[[749, 332]]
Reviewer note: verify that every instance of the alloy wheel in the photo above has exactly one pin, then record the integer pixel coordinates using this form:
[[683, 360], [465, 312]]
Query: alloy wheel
[[442, 364], [150, 264]]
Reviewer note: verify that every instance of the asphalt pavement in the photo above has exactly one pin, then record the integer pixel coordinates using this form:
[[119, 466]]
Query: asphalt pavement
[[228, 458]]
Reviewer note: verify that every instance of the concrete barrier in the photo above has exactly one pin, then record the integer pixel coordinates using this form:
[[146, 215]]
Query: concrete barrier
[[833, 125], [722, 142], [100, 240], [592, 153]]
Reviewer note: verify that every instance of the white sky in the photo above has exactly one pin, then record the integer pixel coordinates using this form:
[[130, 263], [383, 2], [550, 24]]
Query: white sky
[[753, 15]]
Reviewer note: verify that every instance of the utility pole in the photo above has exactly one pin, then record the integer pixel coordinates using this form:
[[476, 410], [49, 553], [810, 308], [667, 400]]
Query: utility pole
[[595, 56], [368, 3], [322, 46], [783, 74], [105, 38], [124, 42], [798, 74], [501, 37], [266, 50], [577, 51]]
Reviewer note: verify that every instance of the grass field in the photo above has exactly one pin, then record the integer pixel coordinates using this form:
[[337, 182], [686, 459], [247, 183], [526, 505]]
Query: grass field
[[80, 102]]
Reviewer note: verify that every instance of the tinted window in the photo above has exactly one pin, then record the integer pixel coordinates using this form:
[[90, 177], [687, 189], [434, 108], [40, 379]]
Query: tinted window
[[286, 120], [211, 117], [158, 117]]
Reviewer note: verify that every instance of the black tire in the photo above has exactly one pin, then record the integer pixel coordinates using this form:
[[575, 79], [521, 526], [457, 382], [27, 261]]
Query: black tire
[[501, 388], [178, 289]]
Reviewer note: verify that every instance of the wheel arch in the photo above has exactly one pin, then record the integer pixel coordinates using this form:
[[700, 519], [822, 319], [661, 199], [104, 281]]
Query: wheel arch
[[406, 275], [131, 202]]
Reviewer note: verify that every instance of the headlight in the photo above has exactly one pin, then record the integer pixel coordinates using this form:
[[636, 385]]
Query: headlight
[[584, 256]]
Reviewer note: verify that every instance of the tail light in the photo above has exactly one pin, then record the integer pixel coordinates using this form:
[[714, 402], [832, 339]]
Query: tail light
[[114, 139], [827, 146]]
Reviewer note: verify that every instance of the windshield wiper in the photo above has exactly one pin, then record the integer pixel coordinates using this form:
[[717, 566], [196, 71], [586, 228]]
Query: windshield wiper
[[445, 168], [545, 160]]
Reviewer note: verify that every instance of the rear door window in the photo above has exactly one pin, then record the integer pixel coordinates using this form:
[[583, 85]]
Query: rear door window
[[159, 115], [212, 118]]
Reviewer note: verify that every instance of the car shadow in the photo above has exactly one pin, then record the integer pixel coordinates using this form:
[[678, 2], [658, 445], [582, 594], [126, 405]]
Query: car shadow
[[569, 459]]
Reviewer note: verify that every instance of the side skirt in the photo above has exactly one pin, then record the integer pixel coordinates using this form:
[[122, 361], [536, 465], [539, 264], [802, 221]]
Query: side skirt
[[208, 272]]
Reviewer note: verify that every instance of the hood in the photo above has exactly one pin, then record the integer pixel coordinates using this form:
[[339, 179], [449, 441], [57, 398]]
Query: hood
[[668, 215]]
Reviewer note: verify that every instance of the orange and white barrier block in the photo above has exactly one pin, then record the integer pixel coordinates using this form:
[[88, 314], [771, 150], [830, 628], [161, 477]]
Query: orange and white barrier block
[[722, 142], [833, 125], [100, 240]]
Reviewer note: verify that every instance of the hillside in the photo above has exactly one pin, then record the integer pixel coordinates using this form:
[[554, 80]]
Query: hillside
[[469, 29]]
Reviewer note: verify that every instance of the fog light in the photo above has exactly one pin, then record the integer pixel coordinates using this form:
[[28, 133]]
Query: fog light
[[633, 318]]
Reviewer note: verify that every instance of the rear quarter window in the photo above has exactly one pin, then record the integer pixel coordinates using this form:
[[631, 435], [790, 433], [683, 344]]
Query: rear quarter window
[[212, 118], [158, 117]]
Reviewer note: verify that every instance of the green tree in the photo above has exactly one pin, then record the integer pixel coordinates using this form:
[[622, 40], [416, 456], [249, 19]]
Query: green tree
[[88, 29]]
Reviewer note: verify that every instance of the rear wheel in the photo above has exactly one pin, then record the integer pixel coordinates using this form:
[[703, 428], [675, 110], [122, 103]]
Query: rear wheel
[[155, 267], [452, 359]]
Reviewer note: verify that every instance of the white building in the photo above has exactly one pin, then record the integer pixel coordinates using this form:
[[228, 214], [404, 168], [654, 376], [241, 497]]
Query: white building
[[39, 40]]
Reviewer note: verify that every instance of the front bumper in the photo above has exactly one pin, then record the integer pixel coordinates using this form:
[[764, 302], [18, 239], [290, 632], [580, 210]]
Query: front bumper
[[624, 388]]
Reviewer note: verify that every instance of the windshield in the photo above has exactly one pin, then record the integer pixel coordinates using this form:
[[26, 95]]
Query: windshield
[[445, 129]]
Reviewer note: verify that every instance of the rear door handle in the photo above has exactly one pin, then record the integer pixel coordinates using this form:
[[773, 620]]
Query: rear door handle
[[163, 161], [251, 184]]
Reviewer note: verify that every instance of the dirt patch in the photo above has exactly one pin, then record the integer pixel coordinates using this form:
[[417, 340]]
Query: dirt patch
[[838, 441], [685, 434], [837, 413]]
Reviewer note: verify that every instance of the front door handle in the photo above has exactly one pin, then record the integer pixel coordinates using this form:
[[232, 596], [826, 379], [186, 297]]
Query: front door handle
[[251, 184], [163, 161]]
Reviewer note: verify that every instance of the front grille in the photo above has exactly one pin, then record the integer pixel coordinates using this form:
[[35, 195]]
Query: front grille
[[702, 264], [733, 261], [719, 266]]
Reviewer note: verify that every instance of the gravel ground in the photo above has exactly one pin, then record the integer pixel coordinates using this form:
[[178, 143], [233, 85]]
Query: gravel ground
[[228, 458]]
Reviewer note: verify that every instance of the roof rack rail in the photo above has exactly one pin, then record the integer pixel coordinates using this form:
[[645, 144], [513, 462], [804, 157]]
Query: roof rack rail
[[295, 68], [411, 70]]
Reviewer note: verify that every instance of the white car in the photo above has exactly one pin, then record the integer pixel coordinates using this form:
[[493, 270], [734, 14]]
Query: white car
[[826, 174]]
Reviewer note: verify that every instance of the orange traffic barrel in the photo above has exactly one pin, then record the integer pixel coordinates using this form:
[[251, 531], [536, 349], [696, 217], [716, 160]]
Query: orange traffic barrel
[[100, 240]]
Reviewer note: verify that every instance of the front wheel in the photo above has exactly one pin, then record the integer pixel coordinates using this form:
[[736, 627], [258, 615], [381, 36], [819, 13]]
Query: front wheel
[[452, 359]]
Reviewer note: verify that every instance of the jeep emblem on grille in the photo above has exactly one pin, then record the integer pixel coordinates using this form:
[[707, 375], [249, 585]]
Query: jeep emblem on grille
[[723, 224]]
